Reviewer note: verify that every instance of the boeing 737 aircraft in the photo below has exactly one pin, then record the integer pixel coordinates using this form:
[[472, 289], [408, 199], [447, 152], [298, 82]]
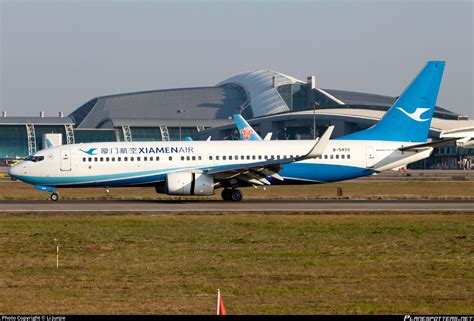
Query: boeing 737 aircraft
[[198, 168]]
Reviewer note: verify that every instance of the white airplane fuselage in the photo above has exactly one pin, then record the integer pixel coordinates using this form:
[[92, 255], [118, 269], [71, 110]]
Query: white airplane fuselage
[[145, 163]]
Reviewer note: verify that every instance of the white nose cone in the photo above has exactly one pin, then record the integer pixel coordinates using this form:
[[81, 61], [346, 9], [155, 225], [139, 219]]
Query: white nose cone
[[14, 171]]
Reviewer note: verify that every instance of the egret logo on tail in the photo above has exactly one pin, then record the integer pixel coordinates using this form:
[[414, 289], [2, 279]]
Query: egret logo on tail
[[416, 115]]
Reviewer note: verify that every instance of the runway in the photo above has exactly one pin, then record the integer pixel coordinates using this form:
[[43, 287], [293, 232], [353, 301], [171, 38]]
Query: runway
[[217, 206]]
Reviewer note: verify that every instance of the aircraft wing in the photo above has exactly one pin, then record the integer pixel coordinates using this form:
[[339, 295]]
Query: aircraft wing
[[256, 173]]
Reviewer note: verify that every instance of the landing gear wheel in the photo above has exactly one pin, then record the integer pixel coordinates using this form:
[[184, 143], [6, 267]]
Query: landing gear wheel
[[226, 194], [236, 195], [54, 197]]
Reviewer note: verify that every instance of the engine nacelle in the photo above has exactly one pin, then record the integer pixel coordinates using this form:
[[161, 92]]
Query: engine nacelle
[[188, 183]]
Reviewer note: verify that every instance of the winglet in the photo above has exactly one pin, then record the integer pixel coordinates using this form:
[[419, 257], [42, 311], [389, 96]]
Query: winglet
[[320, 145]]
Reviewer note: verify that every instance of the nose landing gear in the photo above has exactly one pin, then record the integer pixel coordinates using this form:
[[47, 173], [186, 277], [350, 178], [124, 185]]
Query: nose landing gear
[[54, 193], [54, 197]]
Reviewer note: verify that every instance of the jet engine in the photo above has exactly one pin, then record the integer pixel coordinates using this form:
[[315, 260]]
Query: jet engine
[[188, 183]]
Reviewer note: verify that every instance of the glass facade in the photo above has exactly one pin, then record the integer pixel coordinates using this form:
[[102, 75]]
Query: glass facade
[[185, 131], [296, 97], [297, 129], [13, 141], [140, 134], [94, 135]]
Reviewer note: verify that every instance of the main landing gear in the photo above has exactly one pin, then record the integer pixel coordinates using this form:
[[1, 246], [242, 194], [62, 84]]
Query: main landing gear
[[231, 194], [54, 197]]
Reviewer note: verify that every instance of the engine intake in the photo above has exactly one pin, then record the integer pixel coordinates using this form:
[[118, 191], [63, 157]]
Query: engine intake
[[189, 183]]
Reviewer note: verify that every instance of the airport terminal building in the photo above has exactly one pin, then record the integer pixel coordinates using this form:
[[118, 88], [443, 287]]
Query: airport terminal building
[[271, 101]]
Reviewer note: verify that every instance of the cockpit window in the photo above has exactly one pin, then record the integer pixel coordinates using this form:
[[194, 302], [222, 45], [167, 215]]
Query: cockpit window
[[35, 159]]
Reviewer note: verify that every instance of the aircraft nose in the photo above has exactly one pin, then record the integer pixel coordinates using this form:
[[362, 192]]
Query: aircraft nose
[[14, 171]]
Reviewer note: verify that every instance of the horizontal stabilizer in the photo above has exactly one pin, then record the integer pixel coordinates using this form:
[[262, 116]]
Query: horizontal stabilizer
[[437, 143]]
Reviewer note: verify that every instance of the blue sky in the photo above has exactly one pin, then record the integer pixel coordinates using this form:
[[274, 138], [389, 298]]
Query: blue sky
[[56, 55]]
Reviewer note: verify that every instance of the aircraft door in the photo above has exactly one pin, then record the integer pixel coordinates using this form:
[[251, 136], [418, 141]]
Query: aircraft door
[[370, 158], [65, 159]]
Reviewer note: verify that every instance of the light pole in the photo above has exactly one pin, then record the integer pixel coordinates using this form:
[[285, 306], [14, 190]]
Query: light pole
[[314, 121], [179, 112]]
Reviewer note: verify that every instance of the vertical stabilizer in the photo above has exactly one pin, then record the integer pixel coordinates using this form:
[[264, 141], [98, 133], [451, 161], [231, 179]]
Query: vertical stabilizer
[[410, 116]]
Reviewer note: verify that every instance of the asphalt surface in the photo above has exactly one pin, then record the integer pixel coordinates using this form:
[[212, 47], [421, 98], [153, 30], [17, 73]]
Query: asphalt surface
[[217, 206]]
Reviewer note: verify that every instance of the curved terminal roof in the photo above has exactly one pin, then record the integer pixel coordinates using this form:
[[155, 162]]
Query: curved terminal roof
[[261, 90], [254, 94], [202, 103]]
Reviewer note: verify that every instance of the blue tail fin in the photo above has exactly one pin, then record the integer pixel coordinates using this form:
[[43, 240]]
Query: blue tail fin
[[409, 118], [245, 130]]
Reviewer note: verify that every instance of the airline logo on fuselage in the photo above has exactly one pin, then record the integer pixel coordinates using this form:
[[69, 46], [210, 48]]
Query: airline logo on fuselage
[[90, 151], [139, 150]]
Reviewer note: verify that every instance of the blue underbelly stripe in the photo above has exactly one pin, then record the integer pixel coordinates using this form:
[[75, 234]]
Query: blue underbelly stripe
[[294, 173]]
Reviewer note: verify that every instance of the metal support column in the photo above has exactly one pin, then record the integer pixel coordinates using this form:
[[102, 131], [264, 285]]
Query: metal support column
[[127, 133], [30, 132], [165, 135], [69, 133]]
